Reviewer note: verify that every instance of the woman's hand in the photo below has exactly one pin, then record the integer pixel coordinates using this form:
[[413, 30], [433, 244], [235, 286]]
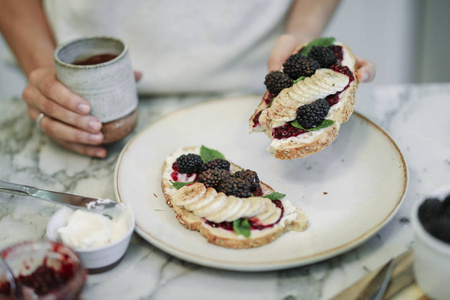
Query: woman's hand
[[66, 115], [67, 120]]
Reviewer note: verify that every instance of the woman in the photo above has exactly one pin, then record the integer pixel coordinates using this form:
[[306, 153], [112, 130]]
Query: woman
[[197, 46]]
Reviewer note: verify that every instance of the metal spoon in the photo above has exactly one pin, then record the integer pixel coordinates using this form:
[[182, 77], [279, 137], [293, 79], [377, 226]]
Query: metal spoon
[[15, 289], [107, 207]]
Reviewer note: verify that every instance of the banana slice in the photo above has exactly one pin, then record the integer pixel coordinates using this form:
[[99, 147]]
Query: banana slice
[[283, 100], [272, 218], [303, 94], [232, 206], [315, 89], [245, 205], [283, 108], [206, 199], [319, 90], [217, 204], [257, 206], [189, 194], [322, 84], [332, 79], [268, 211], [298, 94]]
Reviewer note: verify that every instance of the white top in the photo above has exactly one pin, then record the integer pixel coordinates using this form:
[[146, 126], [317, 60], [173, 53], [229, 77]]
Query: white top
[[182, 46]]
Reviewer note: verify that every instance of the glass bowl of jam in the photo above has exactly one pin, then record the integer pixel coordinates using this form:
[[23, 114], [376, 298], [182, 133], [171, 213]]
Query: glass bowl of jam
[[41, 269]]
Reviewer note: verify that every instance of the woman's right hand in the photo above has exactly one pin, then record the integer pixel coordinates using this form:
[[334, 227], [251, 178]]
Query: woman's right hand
[[67, 120]]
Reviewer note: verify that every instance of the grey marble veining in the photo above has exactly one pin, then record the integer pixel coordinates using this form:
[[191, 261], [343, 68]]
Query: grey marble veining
[[415, 116]]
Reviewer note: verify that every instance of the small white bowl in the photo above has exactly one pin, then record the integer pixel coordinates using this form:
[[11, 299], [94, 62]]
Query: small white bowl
[[98, 259], [431, 255]]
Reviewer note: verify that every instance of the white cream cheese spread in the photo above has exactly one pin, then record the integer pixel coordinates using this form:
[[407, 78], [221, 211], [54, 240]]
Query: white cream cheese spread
[[85, 229]]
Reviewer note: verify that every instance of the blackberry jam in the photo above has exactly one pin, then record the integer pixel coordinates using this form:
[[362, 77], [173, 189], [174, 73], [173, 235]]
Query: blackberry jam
[[43, 269]]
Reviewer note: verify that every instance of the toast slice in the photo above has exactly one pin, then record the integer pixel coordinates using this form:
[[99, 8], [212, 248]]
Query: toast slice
[[276, 115], [227, 220]]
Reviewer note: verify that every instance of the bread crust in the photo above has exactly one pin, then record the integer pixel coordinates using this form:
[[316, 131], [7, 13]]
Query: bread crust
[[292, 148], [222, 237]]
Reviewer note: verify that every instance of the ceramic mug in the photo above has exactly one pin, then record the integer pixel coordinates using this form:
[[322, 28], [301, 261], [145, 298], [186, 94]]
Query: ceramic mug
[[99, 70]]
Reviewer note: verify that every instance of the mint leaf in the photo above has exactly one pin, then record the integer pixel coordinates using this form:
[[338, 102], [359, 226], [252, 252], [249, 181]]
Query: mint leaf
[[275, 196], [325, 123], [299, 79], [178, 185], [208, 154], [242, 226], [296, 124], [325, 42], [271, 100]]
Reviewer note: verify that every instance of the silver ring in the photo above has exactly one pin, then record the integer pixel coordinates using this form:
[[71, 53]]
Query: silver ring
[[38, 120]]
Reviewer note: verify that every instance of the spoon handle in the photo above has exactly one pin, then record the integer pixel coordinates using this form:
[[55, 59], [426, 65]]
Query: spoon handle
[[16, 290]]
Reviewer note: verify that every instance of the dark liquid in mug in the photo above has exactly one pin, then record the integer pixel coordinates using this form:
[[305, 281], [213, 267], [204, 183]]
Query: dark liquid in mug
[[94, 60]]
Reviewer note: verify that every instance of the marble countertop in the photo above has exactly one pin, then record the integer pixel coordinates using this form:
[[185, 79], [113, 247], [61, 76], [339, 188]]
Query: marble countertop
[[415, 116]]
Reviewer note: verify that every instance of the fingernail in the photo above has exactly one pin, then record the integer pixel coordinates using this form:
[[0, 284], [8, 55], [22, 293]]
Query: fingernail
[[100, 153], [95, 125], [365, 76], [83, 108], [96, 138]]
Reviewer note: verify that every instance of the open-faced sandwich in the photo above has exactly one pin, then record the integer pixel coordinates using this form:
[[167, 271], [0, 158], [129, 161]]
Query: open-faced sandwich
[[308, 100], [228, 205]]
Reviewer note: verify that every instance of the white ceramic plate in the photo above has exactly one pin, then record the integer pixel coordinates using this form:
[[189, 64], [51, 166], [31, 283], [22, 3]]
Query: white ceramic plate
[[348, 191]]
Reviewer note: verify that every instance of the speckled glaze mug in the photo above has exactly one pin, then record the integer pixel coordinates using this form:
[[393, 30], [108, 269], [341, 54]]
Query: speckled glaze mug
[[99, 70]]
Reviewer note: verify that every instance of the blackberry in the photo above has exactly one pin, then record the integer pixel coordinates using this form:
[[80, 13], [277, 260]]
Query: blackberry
[[213, 177], [324, 56], [276, 81], [297, 65], [430, 209], [235, 186], [311, 115], [249, 176], [218, 163], [189, 163]]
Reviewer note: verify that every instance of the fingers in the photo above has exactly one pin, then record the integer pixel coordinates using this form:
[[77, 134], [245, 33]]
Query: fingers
[[366, 70], [46, 94], [59, 130], [284, 47], [71, 138], [52, 109], [47, 84], [83, 149]]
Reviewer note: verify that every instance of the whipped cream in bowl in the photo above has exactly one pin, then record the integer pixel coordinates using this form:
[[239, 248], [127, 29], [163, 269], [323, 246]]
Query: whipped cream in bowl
[[100, 241]]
